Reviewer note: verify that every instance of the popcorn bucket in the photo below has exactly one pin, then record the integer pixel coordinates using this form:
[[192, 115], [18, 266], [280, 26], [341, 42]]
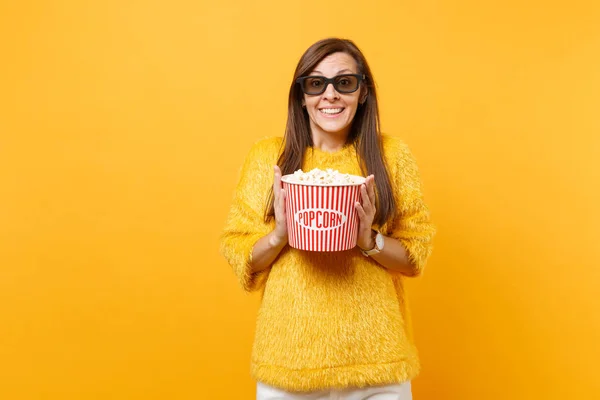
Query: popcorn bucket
[[321, 217]]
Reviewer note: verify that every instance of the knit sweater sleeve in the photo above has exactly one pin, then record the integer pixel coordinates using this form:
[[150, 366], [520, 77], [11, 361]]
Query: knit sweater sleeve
[[411, 225], [245, 223]]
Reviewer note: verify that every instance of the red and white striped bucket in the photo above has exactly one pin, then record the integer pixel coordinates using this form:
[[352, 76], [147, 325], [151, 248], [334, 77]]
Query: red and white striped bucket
[[321, 217]]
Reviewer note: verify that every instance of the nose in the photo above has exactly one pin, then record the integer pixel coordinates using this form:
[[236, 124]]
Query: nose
[[330, 92]]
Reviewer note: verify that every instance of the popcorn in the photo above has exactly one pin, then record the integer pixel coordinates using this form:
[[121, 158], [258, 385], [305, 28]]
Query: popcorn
[[319, 209], [326, 177]]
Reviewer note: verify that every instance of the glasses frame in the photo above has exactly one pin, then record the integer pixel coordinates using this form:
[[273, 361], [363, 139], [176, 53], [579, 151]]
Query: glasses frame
[[359, 77]]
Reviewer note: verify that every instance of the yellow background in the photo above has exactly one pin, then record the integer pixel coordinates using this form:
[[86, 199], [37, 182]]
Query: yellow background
[[123, 125]]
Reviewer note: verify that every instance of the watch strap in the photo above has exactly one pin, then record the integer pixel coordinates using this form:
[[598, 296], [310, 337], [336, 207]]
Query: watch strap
[[375, 249]]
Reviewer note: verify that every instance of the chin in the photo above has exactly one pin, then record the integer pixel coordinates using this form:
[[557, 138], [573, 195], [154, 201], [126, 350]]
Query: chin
[[336, 129]]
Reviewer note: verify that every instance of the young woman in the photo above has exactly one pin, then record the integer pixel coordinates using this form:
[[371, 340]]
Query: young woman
[[331, 323]]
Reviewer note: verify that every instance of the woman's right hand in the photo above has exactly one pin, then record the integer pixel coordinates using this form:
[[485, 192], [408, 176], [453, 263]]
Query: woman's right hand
[[268, 247], [279, 236]]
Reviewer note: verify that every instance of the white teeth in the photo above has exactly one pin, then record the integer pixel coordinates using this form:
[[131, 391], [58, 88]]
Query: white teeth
[[331, 110]]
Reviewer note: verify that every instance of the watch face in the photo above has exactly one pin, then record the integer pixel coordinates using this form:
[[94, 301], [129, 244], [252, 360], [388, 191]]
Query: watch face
[[379, 241]]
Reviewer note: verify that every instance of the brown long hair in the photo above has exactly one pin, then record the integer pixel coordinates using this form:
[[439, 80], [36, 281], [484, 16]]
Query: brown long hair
[[364, 132]]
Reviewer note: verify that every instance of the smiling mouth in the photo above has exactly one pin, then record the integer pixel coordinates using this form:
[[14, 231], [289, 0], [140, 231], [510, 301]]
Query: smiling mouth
[[331, 111]]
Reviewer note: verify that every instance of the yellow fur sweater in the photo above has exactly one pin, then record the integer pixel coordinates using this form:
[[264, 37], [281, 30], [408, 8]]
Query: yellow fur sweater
[[329, 320]]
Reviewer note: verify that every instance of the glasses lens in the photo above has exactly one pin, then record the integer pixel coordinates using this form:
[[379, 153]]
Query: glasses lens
[[314, 85], [346, 83]]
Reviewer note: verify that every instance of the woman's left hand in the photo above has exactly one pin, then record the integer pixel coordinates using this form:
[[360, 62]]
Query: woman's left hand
[[366, 214]]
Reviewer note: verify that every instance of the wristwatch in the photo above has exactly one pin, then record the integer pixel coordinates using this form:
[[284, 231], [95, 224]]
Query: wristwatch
[[378, 245]]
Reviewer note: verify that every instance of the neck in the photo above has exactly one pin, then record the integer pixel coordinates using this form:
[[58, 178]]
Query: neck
[[330, 142]]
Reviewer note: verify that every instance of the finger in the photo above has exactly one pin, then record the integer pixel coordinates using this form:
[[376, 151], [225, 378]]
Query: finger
[[279, 198], [277, 176], [371, 187], [282, 200], [366, 201], [360, 210], [276, 182]]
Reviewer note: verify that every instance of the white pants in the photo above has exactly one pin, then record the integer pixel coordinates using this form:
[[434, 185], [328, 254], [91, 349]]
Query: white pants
[[388, 392]]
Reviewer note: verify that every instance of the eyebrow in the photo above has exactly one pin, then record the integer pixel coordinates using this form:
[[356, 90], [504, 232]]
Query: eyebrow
[[337, 73]]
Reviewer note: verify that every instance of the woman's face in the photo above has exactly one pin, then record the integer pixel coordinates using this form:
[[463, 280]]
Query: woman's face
[[331, 112]]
